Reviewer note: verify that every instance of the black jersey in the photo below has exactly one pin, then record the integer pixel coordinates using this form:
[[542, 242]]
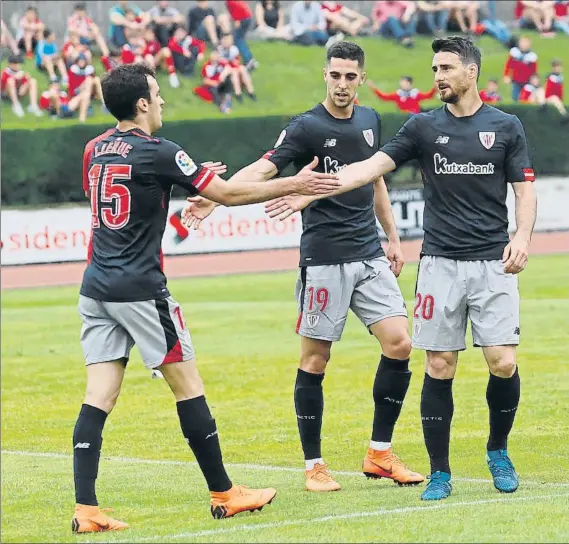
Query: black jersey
[[466, 164], [341, 228], [130, 177]]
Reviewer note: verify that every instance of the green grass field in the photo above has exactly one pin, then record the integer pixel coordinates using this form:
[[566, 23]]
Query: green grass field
[[242, 328], [290, 79]]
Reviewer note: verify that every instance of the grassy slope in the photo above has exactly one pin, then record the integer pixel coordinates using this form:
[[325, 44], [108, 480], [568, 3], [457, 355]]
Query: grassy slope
[[247, 353], [290, 79]]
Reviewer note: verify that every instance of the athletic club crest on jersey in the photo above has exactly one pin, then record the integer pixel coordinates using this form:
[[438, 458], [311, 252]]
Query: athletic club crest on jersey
[[487, 139], [368, 135], [312, 320]]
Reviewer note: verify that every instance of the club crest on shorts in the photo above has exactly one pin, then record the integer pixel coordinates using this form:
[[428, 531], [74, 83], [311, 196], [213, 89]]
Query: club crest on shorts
[[416, 328], [487, 139], [312, 320], [368, 135]]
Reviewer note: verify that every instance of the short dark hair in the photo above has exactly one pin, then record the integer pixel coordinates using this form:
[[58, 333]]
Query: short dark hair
[[346, 50], [47, 32], [407, 78], [556, 62], [80, 6], [15, 59], [123, 86], [463, 47], [493, 81]]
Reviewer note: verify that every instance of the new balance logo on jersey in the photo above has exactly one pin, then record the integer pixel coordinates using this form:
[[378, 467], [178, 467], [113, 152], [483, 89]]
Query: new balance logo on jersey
[[330, 142], [442, 140], [442, 166], [82, 445]]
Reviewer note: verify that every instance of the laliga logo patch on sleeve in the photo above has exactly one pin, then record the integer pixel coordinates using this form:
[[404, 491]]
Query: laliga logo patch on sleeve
[[185, 163]]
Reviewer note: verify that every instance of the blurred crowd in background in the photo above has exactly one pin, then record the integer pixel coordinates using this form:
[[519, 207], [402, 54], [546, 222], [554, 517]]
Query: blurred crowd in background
[[212, 43]]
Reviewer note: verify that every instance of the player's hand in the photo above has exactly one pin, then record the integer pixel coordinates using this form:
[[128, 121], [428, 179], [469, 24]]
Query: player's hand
[[515, 256], [216, 167], [507, 80], [285, 206], [308, 182], [197, 209], [395, 256]]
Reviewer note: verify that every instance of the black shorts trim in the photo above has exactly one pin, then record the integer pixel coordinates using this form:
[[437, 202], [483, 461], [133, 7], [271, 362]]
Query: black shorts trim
[[167, 323]]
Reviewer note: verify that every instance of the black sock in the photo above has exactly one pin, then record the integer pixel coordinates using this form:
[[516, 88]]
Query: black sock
[[389, 389], [503, 396], [436, 414], [309, 404], [198, 427], [87, 442]]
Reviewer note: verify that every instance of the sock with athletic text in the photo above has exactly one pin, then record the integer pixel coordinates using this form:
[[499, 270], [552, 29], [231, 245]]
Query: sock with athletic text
[[437, 409], [503, 396], [389, 389], [200, 431], [309, 404], [87, 442]]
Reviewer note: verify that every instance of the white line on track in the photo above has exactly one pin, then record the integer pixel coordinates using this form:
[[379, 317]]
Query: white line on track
[[245, 466], [338, 517]]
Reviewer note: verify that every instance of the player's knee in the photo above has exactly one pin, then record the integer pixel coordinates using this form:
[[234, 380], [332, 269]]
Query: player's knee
[[399, 347], [441, 365], [502, 365], [103, 399], [315, 363]]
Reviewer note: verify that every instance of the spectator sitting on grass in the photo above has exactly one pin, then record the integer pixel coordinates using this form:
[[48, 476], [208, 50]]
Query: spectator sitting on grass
[[395, 20], [73, 47], [271, 21], [48, 58], [155, 56], [240, 76], [534, 93], [490, 94], [407, 98], [202, 23], [216, 86], [308, 23], [435, 15], [58, 104], [16, 84], [461, 11], [554, 81], [89, 33], [186, 51], [120, 23], [82, 79], [164, 19], [494, 27], [561, 16], [30, 31], [7, 40], [535, 14], [341, 18]]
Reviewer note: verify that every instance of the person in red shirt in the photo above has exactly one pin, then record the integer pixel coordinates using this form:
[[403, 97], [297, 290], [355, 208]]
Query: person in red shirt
[[89, 33], [242, 18], [340, 18], [155, 55], [490, 95], [73, 47], [133, 50], [113, 60], [535, 14], [407, 98], [554, 81], [58, 104], [240, 77], [15, 84], [216, 86], [82, 79], [30, 31], [534, 93], [521, 64], [186, 51]]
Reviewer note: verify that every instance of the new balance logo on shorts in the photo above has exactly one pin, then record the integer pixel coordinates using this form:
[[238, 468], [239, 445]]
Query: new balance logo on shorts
[[82, 445], [442, 166]]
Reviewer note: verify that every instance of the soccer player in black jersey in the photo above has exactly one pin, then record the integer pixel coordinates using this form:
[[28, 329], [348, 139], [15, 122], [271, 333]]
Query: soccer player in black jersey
[[469, 153], [343, 267], [124, 299]]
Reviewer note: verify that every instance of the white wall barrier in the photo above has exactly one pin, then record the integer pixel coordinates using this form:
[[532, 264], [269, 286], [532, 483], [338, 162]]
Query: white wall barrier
[[62, 234]]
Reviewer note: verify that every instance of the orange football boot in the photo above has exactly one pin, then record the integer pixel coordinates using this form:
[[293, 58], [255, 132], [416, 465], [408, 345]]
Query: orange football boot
[[239, 498], [385, 464], [319, 480], [92, 519]]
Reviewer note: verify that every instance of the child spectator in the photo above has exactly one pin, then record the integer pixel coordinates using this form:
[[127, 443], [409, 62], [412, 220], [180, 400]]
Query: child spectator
[[308, 24], [7, 40], [30, 31], [133, 51], [155, 55], [554, 81], [534, 93], [134, 28], [240, 77], [216, 86], [461, 10], [271, 21], [186, 51], [395, 20], [407, 98], [58, 104], [490, 95], [341, 18], [47, 57], [561, 16], [164, 19], [73, 47], [435, 16], [202, 23], [113, 60], [535, 14], [120, 23], [242, 18], [82, 78], [80, 22], [521, 64], [15, 84]]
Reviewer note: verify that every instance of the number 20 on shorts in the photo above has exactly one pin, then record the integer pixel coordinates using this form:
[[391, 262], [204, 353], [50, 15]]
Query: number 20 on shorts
[[424, 307]]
